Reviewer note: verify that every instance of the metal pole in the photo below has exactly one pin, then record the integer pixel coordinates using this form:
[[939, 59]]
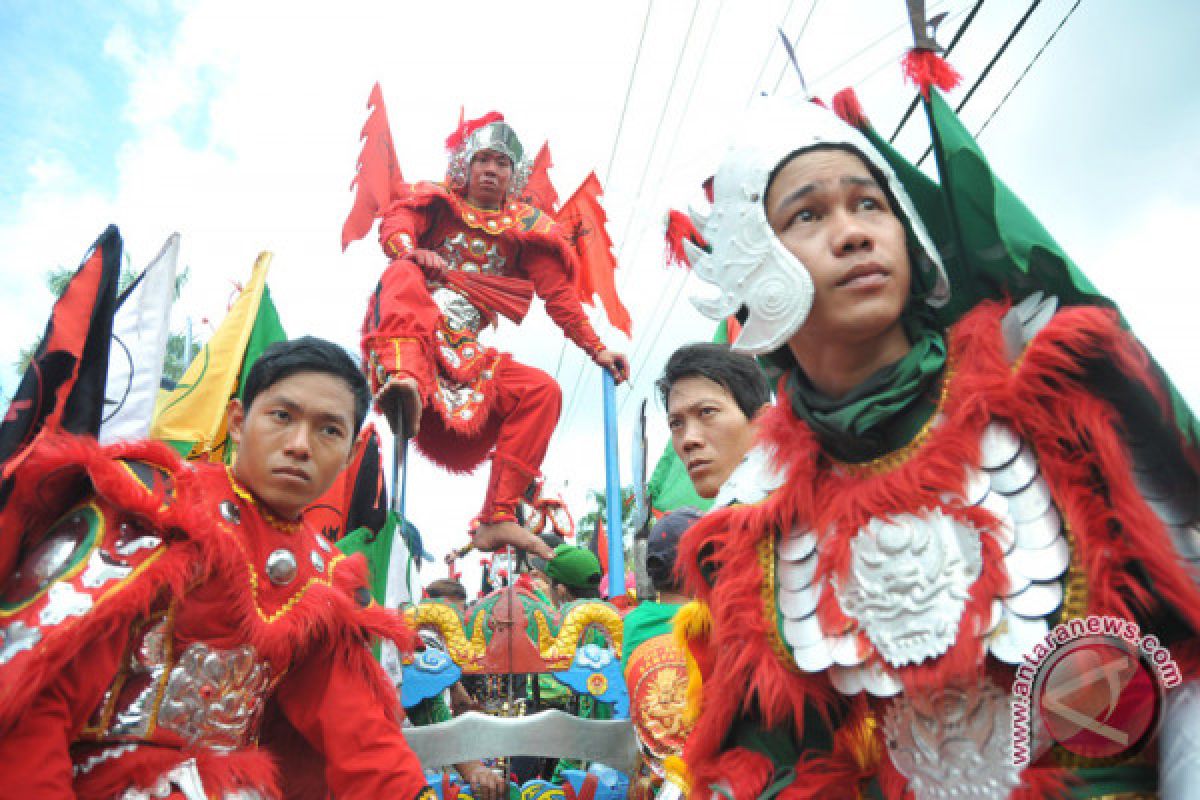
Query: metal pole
[[612, 489]]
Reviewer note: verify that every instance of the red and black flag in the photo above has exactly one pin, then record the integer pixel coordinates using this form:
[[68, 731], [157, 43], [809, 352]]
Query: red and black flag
[[358, 498], [63, 386]]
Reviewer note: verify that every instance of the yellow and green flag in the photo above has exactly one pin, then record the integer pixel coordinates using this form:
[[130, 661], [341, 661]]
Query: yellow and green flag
[[191, 418]]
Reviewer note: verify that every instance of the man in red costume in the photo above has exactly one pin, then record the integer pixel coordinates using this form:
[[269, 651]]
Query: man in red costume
[[177, 615], [421, 333]]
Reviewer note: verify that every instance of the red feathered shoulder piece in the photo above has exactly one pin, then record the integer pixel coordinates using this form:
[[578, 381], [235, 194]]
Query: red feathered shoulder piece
[[112, 511]]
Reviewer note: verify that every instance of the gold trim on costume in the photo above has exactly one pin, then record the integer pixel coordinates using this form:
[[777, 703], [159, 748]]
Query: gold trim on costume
[[766, 559], [268, 516]]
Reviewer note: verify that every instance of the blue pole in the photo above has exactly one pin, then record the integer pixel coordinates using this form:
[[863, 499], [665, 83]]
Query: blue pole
[[612, 491]]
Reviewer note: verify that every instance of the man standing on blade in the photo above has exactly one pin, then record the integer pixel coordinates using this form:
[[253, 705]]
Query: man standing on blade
[[463, 252]]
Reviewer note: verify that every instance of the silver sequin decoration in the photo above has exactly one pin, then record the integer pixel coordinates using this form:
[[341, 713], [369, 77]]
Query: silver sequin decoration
[[64, 601], [230, 512], [16, 638], [101, 569], [281, 567], [317, 561]]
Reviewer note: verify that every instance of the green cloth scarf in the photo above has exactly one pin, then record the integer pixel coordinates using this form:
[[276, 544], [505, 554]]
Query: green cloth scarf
[[883, 412]]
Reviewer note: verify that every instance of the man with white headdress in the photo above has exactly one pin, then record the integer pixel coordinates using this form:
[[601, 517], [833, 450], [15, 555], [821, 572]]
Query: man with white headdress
[[464, 252], [960, 480]]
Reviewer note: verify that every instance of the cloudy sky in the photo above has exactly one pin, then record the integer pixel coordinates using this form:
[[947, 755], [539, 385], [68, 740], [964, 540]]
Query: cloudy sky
[[237, 125]]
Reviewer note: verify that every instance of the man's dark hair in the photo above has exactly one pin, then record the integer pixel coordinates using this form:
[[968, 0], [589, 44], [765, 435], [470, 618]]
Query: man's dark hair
[[307, 354], [446, 589], [578, 592], [738, 374]]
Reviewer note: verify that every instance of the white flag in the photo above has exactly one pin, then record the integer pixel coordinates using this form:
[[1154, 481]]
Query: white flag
[[139, 347]]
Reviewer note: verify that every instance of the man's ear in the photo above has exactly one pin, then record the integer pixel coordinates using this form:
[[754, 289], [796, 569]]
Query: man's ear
[[236, 415]]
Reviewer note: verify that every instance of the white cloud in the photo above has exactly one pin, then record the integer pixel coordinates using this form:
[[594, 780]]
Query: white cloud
[[245, 133]]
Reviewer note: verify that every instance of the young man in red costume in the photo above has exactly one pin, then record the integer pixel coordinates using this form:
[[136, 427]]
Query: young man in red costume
[[960, 479], [177, 630], [421, 343]]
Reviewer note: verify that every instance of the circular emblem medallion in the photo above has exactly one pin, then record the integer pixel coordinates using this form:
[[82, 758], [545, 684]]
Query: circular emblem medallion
[[281, 567], [597, 684]]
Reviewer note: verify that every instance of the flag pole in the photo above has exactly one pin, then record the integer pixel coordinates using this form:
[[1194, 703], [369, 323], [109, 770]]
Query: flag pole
[[616, 530]]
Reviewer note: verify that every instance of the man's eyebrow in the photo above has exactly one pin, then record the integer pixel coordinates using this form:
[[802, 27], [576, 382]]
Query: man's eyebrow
[[797, 194]]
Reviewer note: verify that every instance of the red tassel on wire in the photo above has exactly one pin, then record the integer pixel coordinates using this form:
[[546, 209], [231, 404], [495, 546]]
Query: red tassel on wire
[[468, 126], [846, 106], [926, 68], [680, 227]]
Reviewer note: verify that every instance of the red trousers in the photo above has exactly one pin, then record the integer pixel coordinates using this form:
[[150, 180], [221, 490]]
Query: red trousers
[[477, 401]]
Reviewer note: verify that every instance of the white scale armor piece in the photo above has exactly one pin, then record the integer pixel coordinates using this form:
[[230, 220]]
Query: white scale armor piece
[[1036, 555]]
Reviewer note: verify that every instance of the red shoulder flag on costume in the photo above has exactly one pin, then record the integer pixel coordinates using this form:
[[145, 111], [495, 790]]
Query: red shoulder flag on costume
[[358, 498], [378, 176], [583, 220], [63, 386], [539, 190]]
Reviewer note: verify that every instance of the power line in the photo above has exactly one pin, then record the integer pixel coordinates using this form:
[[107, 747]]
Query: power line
[[642, 181], [958, 34], [1028, 67], [871, 46], [987, 70], [799, 36], [767, 58], [637, 58]]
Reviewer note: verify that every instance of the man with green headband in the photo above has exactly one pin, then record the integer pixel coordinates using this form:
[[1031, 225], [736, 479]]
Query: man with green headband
[[976, 457]]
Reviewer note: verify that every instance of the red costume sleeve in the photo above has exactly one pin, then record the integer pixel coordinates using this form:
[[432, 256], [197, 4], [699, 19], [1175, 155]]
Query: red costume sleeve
[[405, 221], [330, 701], [552, 274], [34, 760]]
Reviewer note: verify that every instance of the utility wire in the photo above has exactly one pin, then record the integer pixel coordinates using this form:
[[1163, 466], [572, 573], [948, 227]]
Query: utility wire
[[863, 50], [770, 50], [1028, 67], [641, 183], [634, 358], [958, 34], [987, 70], [799, 36], [637, 58]]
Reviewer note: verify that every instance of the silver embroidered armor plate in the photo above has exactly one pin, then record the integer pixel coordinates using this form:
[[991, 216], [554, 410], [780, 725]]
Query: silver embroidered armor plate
[[459, 312], [214, 698], [1029, 531], [953, 742], [908, 583], [132, 698], [474, 254], [185, 779]]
